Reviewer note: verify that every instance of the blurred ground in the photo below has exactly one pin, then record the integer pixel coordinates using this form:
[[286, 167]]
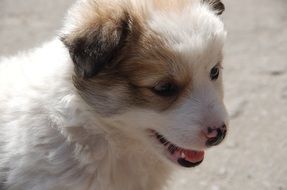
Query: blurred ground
[[255, 154]]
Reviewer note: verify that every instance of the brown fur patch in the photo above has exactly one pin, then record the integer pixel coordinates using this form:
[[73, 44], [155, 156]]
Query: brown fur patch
[[171, 5], [129, 81]]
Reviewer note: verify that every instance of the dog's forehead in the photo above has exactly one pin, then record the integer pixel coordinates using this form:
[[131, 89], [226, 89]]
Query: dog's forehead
[[192, 32]]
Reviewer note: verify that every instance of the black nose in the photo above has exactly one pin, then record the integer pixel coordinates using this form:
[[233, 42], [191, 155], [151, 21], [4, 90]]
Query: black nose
[[221, 133]]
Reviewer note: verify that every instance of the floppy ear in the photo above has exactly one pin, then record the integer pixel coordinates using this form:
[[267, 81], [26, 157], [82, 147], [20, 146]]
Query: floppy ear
[[97, 45], [216, 5]]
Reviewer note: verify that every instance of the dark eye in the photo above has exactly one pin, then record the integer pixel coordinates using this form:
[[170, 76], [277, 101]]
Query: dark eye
[[214, 73], [165, 89]]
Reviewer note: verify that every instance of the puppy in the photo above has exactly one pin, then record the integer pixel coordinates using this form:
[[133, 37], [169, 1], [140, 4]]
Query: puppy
[[130, 90]]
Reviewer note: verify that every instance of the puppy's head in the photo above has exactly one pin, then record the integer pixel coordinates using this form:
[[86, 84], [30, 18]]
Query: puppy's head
[[153, 67]]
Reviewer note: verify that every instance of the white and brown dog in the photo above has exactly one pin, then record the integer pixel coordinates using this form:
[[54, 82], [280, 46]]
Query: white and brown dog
[[130, 89]]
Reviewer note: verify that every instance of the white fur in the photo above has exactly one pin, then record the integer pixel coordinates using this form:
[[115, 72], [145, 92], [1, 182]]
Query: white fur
[[50, 139]]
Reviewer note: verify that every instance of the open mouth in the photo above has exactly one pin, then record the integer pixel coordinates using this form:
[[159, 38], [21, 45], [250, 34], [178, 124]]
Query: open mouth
[[183, 157]]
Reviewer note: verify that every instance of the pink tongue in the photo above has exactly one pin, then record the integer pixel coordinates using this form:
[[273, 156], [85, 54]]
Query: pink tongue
[[190, 155], [193, 156]]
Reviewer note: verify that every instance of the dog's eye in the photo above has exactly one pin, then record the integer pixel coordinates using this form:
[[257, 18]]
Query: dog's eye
[[165, 89], [214, 73]]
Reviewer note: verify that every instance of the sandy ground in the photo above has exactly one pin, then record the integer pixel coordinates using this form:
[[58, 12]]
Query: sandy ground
[[254, 155]]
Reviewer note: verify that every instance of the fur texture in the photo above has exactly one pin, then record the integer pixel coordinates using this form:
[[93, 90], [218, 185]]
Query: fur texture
[[76, 112]]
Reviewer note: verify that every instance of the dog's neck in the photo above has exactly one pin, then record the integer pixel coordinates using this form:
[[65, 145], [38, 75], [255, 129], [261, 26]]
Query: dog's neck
[[108, 151]]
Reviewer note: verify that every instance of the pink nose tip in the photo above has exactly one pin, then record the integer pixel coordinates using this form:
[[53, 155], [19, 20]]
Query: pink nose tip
[[211, 133], [215, 135]]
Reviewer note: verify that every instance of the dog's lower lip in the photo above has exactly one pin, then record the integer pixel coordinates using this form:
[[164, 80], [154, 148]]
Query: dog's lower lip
[[183, 157], [188, 164]]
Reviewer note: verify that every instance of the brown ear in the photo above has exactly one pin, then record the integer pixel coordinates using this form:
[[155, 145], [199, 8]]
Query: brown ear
[[216, 5], [97, 45]]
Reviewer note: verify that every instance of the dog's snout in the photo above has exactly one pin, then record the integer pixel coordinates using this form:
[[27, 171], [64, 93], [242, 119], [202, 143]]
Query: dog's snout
[[215, 135]]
